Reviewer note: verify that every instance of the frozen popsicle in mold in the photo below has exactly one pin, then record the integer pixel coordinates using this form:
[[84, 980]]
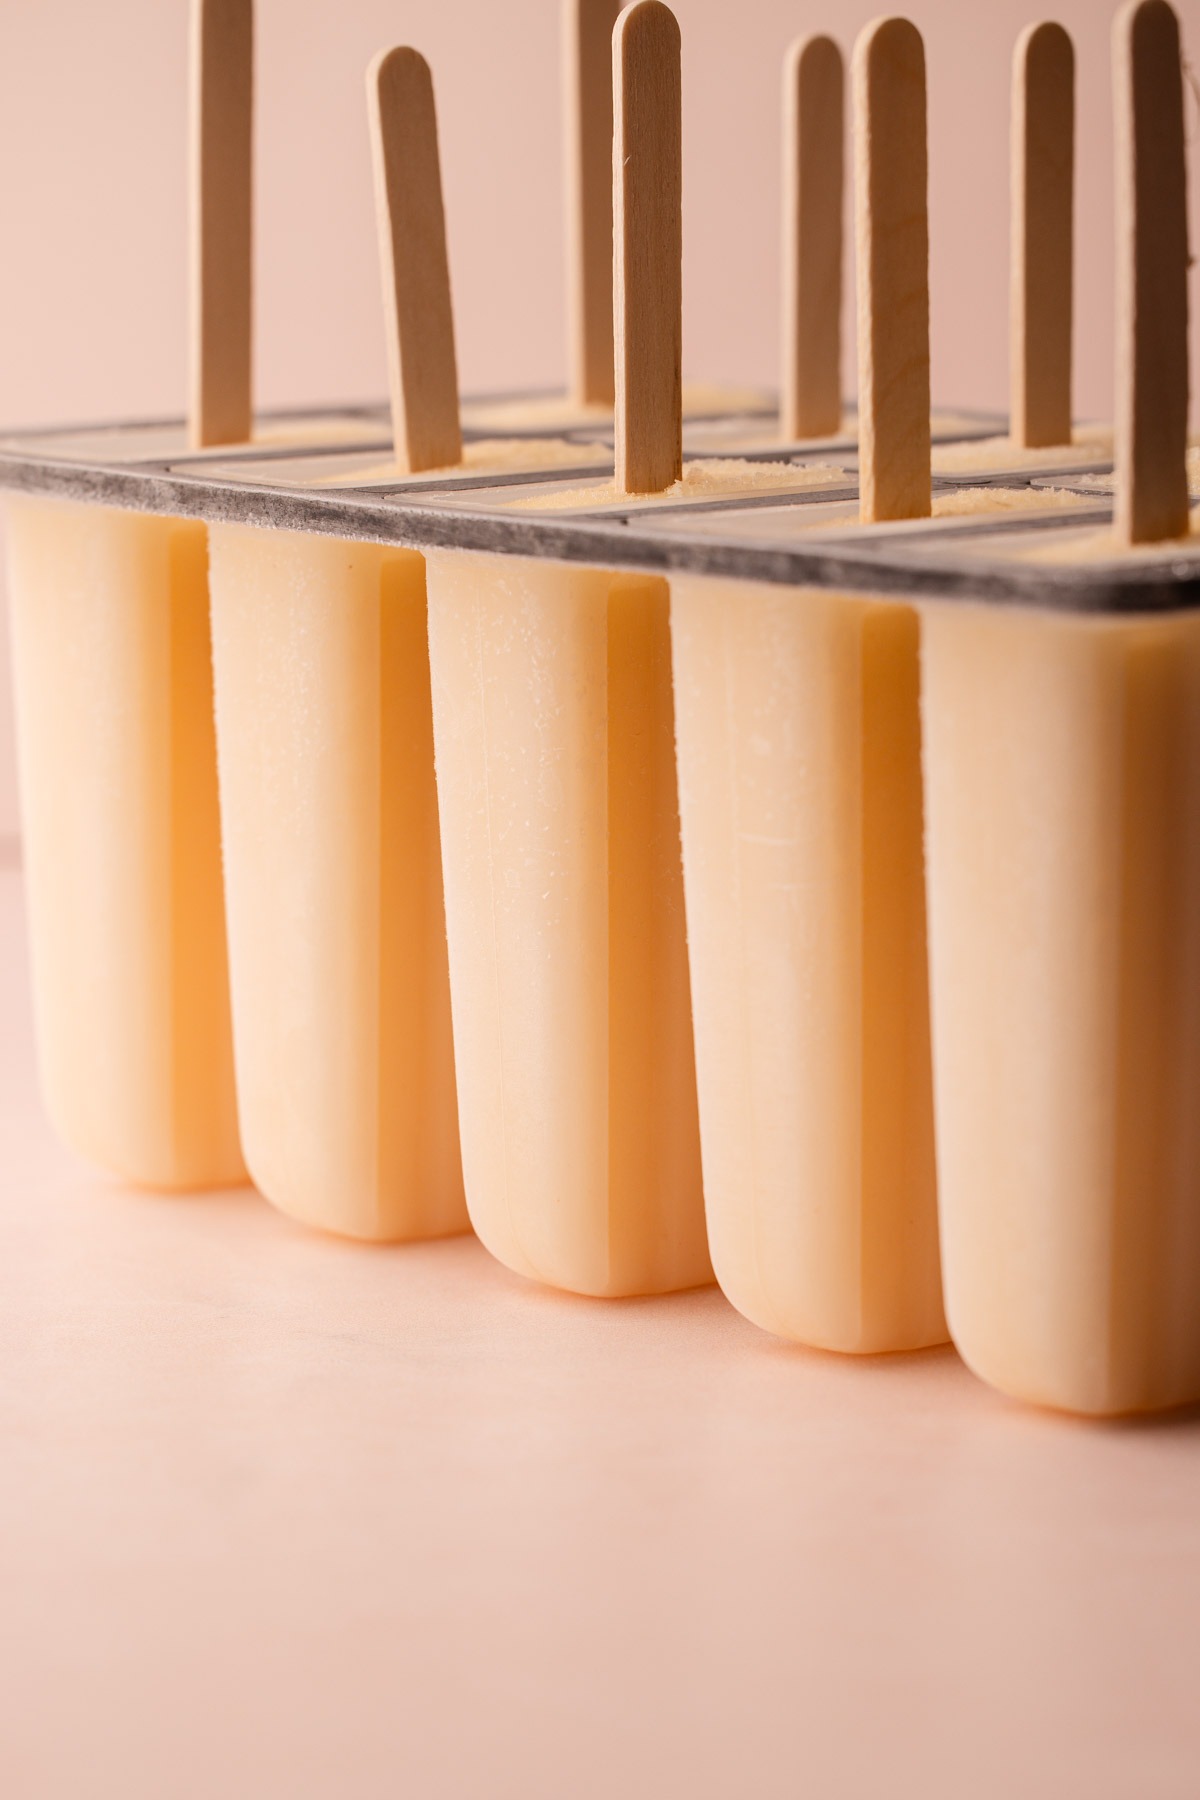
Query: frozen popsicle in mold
[[564, 903], [1063, 795], [556, 782], [797, 721], [1062, 770], [341, 1004], [800, 797], [115, 737], [121, 839]]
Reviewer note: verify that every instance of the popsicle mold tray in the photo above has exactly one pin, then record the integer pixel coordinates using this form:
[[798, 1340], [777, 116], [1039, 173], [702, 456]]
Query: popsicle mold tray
[[330, 471], [700, 884]]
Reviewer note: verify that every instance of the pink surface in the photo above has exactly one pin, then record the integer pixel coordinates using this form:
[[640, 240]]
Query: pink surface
[[283, 1516]]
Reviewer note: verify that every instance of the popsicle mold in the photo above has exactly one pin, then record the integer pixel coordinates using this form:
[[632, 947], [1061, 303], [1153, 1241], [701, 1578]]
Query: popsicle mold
[[534, 749], [800, 795], [121, 837], [553, 724], [1061, 787], [1062, 776], [341, 1007]]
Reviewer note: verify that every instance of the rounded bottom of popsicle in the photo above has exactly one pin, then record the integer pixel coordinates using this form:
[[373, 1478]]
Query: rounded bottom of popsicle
[[358, 1226], [351, 1206], [847, 1328], [1084, 1392], [597, 1283], [147, 1164]]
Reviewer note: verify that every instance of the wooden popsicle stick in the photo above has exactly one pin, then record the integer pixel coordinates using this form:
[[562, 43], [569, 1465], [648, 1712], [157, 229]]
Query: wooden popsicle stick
[[1151, 401], [220, 407], [422, 369], [588, 116], [648, 248], [813, 136], [1043, 171], [892, 241]]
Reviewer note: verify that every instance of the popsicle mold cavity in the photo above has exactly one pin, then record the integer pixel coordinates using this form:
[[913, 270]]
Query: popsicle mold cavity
[[797, 715], [977, 455], [568, 962], [1062, 772], [122, 853], [341, 1005], [557, 412]]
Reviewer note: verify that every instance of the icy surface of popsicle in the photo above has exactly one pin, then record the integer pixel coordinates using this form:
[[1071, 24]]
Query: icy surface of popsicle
[[121, 839], [799, 773], [1089, 444], [1063, 793], [337, 938], [568, 961]]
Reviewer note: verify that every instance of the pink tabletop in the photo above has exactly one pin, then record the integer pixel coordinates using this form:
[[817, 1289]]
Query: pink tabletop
[[283, 1516]]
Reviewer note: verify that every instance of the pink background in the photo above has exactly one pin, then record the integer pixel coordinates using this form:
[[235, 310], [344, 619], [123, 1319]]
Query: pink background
[[92, 148]]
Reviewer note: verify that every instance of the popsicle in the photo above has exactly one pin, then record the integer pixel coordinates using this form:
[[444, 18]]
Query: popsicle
[[115, 739], [797, 722], [121, 839], [1063, 797], [337, 947], [341, 1006], [564, 906]]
